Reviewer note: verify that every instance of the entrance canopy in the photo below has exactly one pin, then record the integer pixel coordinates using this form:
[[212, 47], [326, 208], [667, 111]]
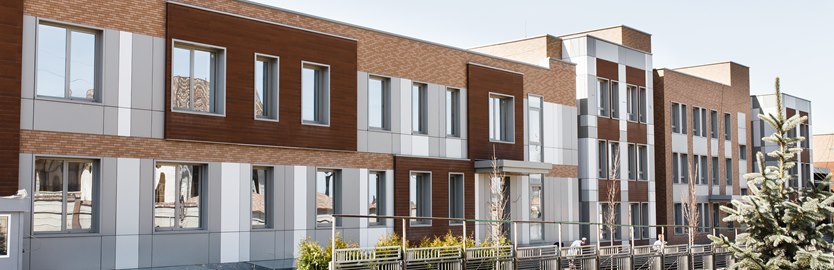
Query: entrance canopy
[[513, 166]]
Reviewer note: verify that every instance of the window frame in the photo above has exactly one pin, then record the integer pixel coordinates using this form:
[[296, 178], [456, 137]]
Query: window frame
[[540, 143], [632, 161], [274, 84], [322, 99], [676, 118], [203, 194], [713, 118], [386, 102], [418, 204], [541, 205], [456, 114], [218, 70], [603, 106], [618, 216], [381, 198], [602, 161], [422, 110], [728, 133], [269, 197], [336, 200], [462, 198], [510, 117], [633, 103], [715, 174], [99, 34], [95, 218], [643, 104], [728, 171], [678, 218]]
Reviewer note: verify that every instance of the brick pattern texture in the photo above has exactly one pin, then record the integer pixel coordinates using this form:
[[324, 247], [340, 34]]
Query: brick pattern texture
[[145, 17]]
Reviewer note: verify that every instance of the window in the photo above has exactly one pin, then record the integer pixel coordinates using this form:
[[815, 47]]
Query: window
[[178, 205], [501, 118], [714, 171], [603, 101], [696, 166], [605, 230], [456, 197], [696, 121], [534, 116], [676, 118], [683, 119], [637, 162], [633, 103], [703, 122], [266, 87], [68, 62], [639, 218], [195, 76], [419, 196], [676, 177], [379, 112], [65, 195], [803, 131], [536, 207], [703, 216], [453, 112], [615, 100], [632, 162], [643, 170], [713, 122], [260, 197], [704, 171], [614, 160], [680, 220], [716, 215], [419, 108], [645, 215], [315, 94], [602, 159], [328, 196], [684, 166], [727, 127], [643, 105], [742, 152], [806, 172], [729, 170], [376, 197]]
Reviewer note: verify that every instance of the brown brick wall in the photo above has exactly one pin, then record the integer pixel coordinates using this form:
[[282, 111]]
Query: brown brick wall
[[563, 171], [139, 16], [58, 143]]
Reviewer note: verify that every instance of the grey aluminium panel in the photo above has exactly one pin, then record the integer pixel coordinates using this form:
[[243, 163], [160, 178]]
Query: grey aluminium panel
[[279, 206], [68, 117], [27, 82], [25, 182], [214, 205], [146, 188], [27, 113], [433, 107], [107, 196], [108, 252], [180, 248], [110, 71], [78, 252], [262, 245], [142, 72], [350, 196], [362, 100], [379, 142], [111, 121], [158, 86], [157, 124], [141, 123]]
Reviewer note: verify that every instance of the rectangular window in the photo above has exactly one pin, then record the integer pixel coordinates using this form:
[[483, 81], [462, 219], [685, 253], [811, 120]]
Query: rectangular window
[[68, 62], [376, 197], [684, 168], [713, 122], [260, 197], [615, 100], [65, 195], [456, 190], [645, 215], [727, 127], [602, 160], [716, 215], [453, 112], [640, 218], [676, 168], [419, 196], [632, 162], [614, 160], [704, 171], [703, 122], [315, 94], [603, 101], [729, 170], [684, 125], [703, 213], [643, 158], [419, 108], [643, 105], [676, 118], [742, 152], [379, 94], [536, 207], [633, 103], [534, 117], [328, 196], [715, 171], [501, 118], [696, 121], [266, 87], [178, 205], [195, 73], [803, 131], [605, 230], [679, 219]]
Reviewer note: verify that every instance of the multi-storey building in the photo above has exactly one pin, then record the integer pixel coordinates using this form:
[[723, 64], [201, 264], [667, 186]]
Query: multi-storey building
[[702, 140], [616, 122], [823, 155], [158, 133], [791, 105]]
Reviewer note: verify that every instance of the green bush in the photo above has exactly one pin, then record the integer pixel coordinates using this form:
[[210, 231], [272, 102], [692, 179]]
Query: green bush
[[313, 256], [447, 240], [390, 240]]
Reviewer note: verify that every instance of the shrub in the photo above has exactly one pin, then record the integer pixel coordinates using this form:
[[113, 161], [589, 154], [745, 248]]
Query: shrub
[[390, 240], [447, 240], [313, 256]]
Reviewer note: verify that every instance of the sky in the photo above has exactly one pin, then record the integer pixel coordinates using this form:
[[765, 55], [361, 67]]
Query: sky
[[790, 39]]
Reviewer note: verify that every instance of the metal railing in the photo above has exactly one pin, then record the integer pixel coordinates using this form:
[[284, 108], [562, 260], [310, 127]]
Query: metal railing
[[626, 255]]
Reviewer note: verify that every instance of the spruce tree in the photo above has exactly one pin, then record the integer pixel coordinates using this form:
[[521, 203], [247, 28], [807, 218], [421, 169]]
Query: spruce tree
[[783, 227]]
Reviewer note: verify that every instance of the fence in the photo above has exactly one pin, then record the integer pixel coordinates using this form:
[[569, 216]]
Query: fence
[[627, 255]]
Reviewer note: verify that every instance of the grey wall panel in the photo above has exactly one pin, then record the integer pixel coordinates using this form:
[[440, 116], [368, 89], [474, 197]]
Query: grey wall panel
[[111, 121], [25, 182], [145, 250], [280, 207], [262, 245], [434, 147], [158, 81], [157, 124], [350, 196], [27, 81], [107, 196], [110, 70], [245, 212], [142, 72], [310, 210], [463, 115], [68, 117], [434, 95], [396, 107], [141, 123], [66, 253], [180, 249], [215, 252], [362, 100], [146, 192], [27, 113], [379, 142], [361, 140], [212, 210], [108, 252]]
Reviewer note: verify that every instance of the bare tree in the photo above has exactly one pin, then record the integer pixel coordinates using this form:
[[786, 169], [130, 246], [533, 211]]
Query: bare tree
[[690, 205], [498, 202], [610, 215]]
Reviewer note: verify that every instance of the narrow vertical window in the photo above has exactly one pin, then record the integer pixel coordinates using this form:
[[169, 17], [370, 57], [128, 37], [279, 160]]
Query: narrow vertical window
[[696, 121], [713, 120], [456, 197], [714, 171], [632, 162], [727, 127], [614, 158], [684, 125], [194, 79], [501, 121], [266, 88], [615, 100], [64, 196], [675, 168], [679, 219], [315, 94], [534, 117], [728, 168], [742, 152], [419, 108], [68, 62], [419, 194], [633, 103], [602, 160], [259, 196], [453, 112], [684, 168], [703, 122], [643, 170], [605, 230], [328, 196], [379, 112], [676, 119], [376, 197], [603, 102], [704, 171], [644, 213], [536, 207], [643, 105], [178, 201]]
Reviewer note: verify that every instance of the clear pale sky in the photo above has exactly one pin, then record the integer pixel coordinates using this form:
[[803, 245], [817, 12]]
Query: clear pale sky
[[790, 39]]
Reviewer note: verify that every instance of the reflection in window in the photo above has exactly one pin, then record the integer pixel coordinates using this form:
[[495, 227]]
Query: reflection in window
[[259, 196], [419, 197], [194, 79], [376, 197], [378, 96], [535, 128], [536, 207], [63, 199], [177, 202], [328, 196], [315, 93], [67, 62], [456, 197], [266, 88]]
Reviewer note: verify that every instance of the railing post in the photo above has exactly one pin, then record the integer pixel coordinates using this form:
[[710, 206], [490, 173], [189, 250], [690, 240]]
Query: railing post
[[405, 245], [333, 244], [515, 245]]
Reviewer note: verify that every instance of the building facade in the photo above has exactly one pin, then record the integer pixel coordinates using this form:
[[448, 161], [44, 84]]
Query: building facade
[[703, 121], [792, 105]]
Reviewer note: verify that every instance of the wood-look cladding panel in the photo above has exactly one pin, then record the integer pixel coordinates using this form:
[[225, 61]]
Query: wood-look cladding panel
[[605, 186], [635, 76], [638, 191], [608, 70], [243, 38], [608, 129], [637, 132], [11, 50], [440, 169], [481, 82], [661, 158], [789, 112]]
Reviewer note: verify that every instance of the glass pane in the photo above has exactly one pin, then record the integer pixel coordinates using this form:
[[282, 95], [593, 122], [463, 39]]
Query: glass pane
[[645, 219], [52, 57], [493, 110], [308, 94], [535, 153], [376, 102], [164, 196], [325, 196], [203, 81], [48, 197], [643, 105], [632, 162], [452, 112], [615, 100], [189, 192], [456, 196], [261, 88], [258, 196], [373, 196], [535, 126], [79, 205], [82, 65], [412, 195], [418, 108], [180, 74], [535, 202], [536, 232], [643, 162], [602, 97]]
